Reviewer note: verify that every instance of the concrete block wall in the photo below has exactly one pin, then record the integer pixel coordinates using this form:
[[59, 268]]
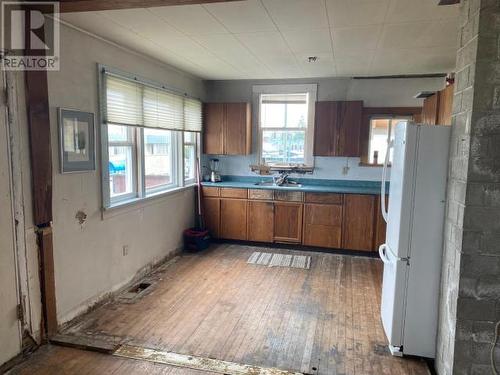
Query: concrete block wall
[[470, 284]]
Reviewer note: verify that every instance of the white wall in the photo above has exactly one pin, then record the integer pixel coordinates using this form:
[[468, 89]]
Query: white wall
[[89, 259], [373, 92]]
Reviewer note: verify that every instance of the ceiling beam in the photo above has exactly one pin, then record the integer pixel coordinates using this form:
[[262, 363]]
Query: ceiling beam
[[67, 6]]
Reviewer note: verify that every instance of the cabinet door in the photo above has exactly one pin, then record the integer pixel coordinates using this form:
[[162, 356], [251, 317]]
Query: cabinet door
[[237, 129], [380, 225], [323, 225], [211, 215], [358, 223], [325, 127], [260, 221], [288, 222], [349, 127], [213, 128], [445, 106], [233, 219], [430, 109]]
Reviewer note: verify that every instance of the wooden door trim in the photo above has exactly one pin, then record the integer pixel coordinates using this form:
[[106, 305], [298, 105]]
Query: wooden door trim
[[38, 113]]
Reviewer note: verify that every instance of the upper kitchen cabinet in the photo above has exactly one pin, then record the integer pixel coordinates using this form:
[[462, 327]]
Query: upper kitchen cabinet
[[227, 129], [438, 107], [337, 128]]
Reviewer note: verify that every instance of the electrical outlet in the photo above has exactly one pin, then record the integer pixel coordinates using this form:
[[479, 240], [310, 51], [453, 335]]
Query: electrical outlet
[[125, 250]]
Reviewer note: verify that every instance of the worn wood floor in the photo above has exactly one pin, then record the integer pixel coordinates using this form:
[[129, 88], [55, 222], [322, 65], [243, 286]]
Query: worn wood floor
[[52, 360], [324, 320]]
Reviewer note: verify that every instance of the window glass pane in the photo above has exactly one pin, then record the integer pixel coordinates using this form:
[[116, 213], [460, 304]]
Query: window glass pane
[[296, 115], [158, 161], [272, 115], [378, 140], [117, 133], [189, 137], [189, 161], [120, 170], [283, 146]]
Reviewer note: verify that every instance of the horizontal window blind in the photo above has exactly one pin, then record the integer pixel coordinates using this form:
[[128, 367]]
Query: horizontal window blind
[[192, 115], [137, 104], [123, 102], [163, 109]]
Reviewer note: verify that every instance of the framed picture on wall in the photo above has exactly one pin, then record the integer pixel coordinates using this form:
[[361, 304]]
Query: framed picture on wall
[[76, 140]]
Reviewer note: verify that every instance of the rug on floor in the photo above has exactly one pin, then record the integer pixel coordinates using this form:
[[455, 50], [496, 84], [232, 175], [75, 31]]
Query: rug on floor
[[280, 260]]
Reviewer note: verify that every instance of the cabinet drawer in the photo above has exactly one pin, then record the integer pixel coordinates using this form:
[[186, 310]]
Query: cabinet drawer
[[329, 198], [209, 191], [288, 196], [260, 194], [233, 193]]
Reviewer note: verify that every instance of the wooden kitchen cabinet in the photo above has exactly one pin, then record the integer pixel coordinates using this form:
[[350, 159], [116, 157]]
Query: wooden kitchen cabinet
[[213, 121], [288, 222], [211, 215], [323, 225], [358, 222], [233, 219], [260, 221], [437, 108], [227, 129], [337, 128]]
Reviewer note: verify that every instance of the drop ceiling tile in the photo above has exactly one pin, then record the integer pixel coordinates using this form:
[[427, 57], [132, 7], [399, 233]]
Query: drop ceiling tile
[[349, 65], [143, 22], [421, 34], [231, 50], [323, 67], [242, 16], [356, 12], [264, 43], [190, 19], [309, 41], [419, 10], [361, 37], [297, 14], [413, 61]]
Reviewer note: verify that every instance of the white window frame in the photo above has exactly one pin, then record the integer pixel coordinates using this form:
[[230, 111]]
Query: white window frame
[[139, 193], [311, 90]]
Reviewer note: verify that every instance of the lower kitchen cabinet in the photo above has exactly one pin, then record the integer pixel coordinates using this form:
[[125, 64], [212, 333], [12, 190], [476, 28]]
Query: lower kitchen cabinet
[[358, 222], [211, 215], [260, 221], [328, 220], [233, 219], [323, 225], [288, 222]]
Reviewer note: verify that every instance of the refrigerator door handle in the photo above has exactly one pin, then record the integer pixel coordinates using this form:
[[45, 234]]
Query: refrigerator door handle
[[383, 255], [384, 180]]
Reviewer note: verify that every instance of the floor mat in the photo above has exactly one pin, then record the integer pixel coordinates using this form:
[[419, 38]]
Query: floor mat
[[280, 260]]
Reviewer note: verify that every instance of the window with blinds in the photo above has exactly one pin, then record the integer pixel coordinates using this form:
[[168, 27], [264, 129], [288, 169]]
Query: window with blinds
[[151, 143], [136, 104]]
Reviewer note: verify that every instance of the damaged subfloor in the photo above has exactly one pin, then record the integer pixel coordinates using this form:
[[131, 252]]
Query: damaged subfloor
[[322, 320]]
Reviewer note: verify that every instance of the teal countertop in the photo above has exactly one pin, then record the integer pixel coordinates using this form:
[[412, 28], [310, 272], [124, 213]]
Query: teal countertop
[[308, 185]]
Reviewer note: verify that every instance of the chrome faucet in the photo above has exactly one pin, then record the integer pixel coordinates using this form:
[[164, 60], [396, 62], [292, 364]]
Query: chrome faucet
[[281, 179]]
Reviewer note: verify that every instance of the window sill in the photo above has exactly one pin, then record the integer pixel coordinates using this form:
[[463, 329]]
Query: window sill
[[136, 203]]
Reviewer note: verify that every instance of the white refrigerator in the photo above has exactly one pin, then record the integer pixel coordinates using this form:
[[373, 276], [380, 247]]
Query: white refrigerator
[[414, 238]]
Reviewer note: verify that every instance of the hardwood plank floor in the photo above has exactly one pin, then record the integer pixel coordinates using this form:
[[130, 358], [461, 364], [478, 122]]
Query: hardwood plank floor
[[50, 360], [324, 320]]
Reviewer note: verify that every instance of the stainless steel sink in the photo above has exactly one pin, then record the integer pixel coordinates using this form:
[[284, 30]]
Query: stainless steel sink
[[271, 183]]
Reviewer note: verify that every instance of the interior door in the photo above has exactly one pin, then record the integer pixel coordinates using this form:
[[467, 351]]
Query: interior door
[[10, 329]]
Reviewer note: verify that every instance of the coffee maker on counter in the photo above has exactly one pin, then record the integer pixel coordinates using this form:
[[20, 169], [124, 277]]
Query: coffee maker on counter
[[214, 171]]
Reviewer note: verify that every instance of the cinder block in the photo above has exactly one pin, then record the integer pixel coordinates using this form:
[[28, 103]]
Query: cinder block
[[483, 332], [488, 287], [475, 309]]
